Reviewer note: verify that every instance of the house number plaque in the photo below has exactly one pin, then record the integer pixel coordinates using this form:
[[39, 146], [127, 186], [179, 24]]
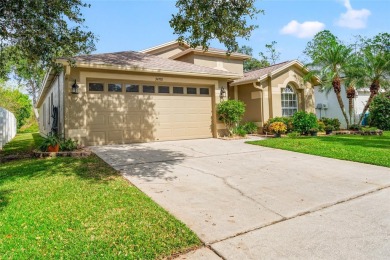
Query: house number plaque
[[159, 79]]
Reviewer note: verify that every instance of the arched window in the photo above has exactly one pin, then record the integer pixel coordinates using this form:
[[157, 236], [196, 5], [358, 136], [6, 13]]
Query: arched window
[[289, 101]]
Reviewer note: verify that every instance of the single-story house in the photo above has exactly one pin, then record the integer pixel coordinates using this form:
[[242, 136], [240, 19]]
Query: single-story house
[[167, 92]]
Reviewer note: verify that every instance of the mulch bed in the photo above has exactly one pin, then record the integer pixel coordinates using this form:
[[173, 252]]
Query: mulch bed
[[83, 152], [77, 153]]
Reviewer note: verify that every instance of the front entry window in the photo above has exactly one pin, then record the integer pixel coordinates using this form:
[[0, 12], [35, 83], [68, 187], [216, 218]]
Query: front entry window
[[289, 101]]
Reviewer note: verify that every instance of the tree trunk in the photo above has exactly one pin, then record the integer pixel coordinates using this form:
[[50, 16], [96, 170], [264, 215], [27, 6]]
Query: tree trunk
[[351, 93], [336, 83], [340, 100], [374, 89], [350, 100]]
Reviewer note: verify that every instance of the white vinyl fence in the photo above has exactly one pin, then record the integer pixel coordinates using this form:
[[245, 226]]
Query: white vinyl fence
[[7, 126]]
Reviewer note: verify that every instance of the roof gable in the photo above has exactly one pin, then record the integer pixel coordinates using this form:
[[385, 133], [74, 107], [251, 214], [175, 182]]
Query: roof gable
[[260, 74], [169, 48]]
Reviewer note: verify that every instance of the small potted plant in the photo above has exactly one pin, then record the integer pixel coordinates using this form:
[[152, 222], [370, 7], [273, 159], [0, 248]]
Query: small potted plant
[[278, 128], [51, 143], [313, 131], [329, 129]]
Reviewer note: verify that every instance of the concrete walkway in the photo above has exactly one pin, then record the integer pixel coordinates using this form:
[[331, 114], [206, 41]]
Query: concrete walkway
[[252, 202]]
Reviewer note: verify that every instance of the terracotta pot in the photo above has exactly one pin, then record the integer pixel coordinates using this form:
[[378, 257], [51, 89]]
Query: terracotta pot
[[53, 149], [277, 135]]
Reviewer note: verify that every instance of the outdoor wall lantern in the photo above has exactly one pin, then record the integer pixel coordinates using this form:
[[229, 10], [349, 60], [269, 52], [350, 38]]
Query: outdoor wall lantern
[[222, 93], [75, 88]]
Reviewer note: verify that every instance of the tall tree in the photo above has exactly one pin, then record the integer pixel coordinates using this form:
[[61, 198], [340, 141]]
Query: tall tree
[[198, 21], [252, 63], [16, 102], [42, 31], [272, 55], [375, 66], [329, 60]]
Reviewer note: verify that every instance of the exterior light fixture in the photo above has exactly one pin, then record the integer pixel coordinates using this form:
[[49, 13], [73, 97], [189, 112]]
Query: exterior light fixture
[[222, 93], [75, 88]]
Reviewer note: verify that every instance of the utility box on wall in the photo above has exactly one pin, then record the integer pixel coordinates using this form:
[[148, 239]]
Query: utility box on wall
[[7, 127]]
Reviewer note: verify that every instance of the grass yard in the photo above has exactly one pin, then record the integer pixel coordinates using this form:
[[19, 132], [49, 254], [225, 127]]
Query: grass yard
[[79, 208], [365, 149], [22, 144]]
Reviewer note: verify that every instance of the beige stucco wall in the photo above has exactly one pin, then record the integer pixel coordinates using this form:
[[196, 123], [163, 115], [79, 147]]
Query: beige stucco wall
[[265, 104], [252, 99], [167, 52], [189, 58], [222, 63], [293, 76], [54, 97], [87, 108]]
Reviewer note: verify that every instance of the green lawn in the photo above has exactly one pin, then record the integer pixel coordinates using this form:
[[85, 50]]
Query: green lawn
[[80, 208], [22, 144], [366, 149]]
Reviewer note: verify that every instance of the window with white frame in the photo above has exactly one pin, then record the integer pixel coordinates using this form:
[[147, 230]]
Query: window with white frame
[[289, 101]]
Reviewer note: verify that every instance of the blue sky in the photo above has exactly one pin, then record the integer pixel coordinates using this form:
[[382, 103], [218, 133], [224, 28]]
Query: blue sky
[[140, 24]]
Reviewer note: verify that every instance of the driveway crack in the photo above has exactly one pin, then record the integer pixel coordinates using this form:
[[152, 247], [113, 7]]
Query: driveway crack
[[225, 181]]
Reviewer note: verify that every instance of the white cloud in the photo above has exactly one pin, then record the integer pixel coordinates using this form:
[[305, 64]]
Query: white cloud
[[353, 19], [302, 30]]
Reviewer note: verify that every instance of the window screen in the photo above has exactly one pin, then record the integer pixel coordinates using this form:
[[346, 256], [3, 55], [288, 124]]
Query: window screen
[[289, 101], [191, 91], [132, 88], [148, 89], [96, 87], [163, 89], [204, 91], [178, 90], [114, 87]]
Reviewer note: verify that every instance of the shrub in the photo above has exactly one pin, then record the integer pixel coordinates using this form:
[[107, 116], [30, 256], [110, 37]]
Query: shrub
[[240, 130], [321, 126], [278, 128], [250, 127], [303, 121], [380, 111], [329, 128], [286, 120], [53, 139], [331, 121], [230, 112], [50, 140], [355, 127], [68, 145]]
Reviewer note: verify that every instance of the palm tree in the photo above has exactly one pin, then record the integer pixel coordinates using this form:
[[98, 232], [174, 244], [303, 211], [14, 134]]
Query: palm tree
[[353, 80], [330, 63], [375, 67]]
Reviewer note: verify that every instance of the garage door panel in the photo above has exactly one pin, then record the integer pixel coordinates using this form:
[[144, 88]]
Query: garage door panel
[[97, 137], [97, 120], [115, 135], [127, 117], [116, 119], [133, 120], [132, 134]]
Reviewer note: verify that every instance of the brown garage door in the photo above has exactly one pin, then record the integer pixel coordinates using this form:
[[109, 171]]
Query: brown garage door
[[146, 112]]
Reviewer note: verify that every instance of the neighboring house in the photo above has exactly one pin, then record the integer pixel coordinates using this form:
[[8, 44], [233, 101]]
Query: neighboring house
[[167, 92], [328, 106]]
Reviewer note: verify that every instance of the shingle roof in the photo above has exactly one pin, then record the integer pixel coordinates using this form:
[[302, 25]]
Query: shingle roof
[[137, 60], [256, 74]]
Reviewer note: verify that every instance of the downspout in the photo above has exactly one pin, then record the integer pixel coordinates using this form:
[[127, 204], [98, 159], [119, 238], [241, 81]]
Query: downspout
[[269, 82]]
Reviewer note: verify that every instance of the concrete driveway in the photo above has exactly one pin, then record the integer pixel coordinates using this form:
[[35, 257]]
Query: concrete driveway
[[252, 202]]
